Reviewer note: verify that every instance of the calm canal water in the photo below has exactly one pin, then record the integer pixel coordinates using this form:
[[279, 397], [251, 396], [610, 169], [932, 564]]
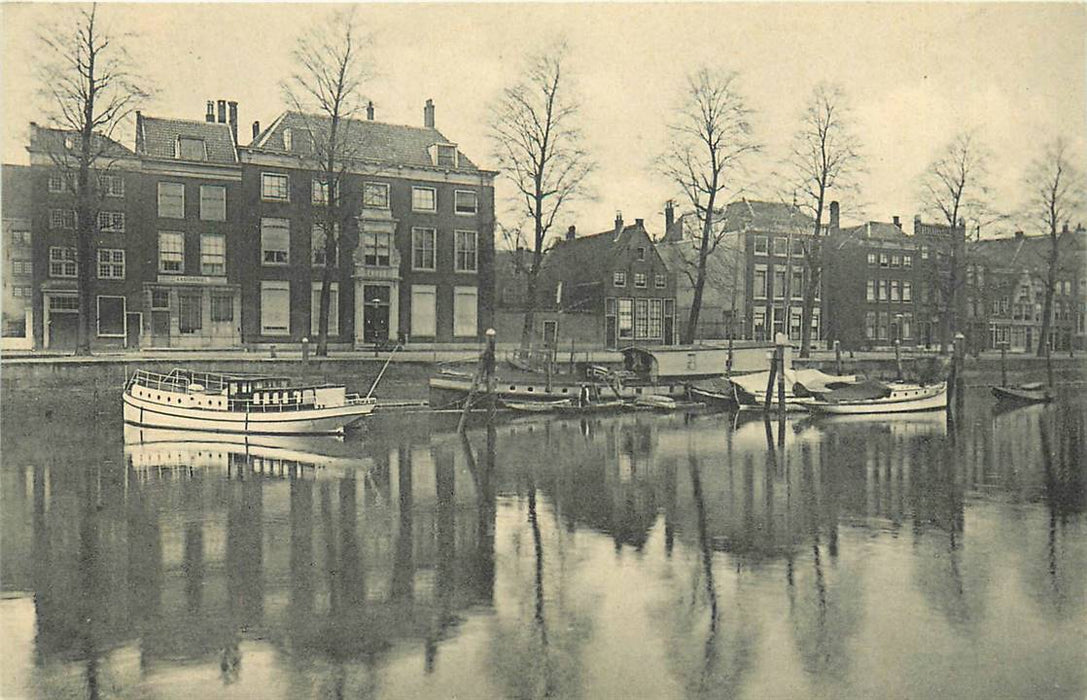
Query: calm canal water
[[631, 556]]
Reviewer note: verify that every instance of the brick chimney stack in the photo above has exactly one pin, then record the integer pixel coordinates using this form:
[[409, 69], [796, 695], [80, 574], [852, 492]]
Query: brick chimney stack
[[428, 114], [210, 116], [571, 233], [222, 111], [897, 222], [256, 130], [233, 109], [669, 216], [834, 220], [370, 111], [618, 222]]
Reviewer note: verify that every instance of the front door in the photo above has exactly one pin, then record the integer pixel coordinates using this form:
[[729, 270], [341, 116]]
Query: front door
[[63, 330], [550, 333], [610, 328], [134, 321], [160, 329], [375, 322]]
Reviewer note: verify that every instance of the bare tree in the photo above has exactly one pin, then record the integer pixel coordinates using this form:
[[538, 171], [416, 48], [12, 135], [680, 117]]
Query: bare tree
[[89, 82], [326, 90], [709, 141], [954, 189], [825, 155], [1056, 190], [538, 144]]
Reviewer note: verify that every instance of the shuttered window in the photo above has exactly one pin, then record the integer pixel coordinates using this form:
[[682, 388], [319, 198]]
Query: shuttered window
[[423, 316], [465, 311], [275, 307]]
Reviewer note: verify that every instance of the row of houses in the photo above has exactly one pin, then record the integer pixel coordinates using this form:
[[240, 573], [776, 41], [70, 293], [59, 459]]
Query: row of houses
[[202, 242]]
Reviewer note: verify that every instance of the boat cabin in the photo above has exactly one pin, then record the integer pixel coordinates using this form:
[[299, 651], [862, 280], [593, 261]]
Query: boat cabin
[[656, 365]]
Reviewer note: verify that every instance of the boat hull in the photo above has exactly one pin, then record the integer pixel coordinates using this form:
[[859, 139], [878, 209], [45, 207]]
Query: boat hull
[[321, 421], [452, 392], [905, 400], [1022, 396]]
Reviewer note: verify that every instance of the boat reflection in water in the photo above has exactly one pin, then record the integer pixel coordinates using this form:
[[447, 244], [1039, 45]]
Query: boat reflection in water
[[636, 555]]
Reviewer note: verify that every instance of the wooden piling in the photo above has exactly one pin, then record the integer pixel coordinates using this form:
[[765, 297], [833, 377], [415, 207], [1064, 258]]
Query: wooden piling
[[838, 357], [1003, 364], [770, 383]]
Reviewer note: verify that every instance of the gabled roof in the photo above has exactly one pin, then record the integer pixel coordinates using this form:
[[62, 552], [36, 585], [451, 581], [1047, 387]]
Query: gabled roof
[[592, 252], [157, 138], [367, 140], [44, 139], [876, 230], [754, 215]]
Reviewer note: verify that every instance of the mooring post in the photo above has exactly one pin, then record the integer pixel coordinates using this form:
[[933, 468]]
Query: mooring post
[[781, 341], [1049, 363], [838, 357], [305, 350], [488, 367], [898, 358], [960, 382], [728, 362], [1004, 364], [770, 383]]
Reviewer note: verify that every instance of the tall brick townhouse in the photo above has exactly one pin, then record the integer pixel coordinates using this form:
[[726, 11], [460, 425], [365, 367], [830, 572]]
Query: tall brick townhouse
[[415, 260]]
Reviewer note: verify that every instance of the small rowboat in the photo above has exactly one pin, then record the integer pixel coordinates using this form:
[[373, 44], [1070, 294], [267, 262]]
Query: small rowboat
[[657, 403], [898, 398], [1035, 392], [563, 406]]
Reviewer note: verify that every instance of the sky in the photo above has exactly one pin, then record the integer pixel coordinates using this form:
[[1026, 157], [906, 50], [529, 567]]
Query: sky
[[914, 74]]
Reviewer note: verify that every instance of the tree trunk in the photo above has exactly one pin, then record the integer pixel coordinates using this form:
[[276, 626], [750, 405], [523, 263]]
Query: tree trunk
[[1050, 291], [527, 330], [807, 309], [696, 302], [85, 226]]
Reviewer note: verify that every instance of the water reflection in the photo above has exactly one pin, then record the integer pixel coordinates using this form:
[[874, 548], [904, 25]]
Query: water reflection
[[637, 555]]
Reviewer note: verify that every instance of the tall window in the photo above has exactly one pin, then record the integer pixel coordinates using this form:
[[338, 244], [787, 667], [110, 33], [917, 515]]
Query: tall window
[[333, 309], [275, 307], [422, 248], [171, 252], [465, 252], [446, 156], [375, 195], [62, 262], [656, 330], [111, 221], [779, 282], [641, 318], [423, 310], [424, 199], [111, 317], [907, 325], [907, 291], [896, 260], [376, 247], [190, 313], [884, 260], [759, 286], [797, 284], [872, 259], [894, 290], [870, 290], [274, 187], [212, 202], [319, 243], [191, 149], [465, 312], [213, 254], [762, 246], [883, 290], [883, 318], [171, 200], [626, 318], [111, 264], [870, 325], [222, 307], [275, 241], [758, 323], [319, 190], [907, 260], [62, 218], [781, 246], [465, 202]]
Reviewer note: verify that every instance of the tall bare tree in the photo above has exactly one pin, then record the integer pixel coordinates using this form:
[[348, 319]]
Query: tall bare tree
[[1056, 190], [953, 189], [825, 156], [710, 139], [91, 87], [539, 145], [326, 90]]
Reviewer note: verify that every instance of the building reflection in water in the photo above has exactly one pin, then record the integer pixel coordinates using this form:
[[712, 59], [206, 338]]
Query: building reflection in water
[[334, 561]]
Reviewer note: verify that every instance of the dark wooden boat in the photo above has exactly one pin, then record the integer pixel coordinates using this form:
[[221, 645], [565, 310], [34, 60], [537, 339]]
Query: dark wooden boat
[[564, 406], [1035, 392], [718, 394]]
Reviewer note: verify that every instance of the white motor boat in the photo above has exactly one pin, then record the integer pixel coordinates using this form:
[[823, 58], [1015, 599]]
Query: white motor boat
[[896, 398], [239, 403]]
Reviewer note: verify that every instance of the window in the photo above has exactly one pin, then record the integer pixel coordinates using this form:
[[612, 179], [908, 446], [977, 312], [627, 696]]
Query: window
[[641, 318], [111, 317], [761, 245], [446, 155], [275, 241], [190, 316], [797, 285], [465, 258], [171, 252], [896, 260], [884, 261], [376, 246], [907, 260], [212, 203], [794, 323], [375, 195], [62, 218], [213, 254], [779, 282], [191, 149], [275, 307], [465, 312], [111, 221], [781, 246], [656, 329], [907, 326], [883, 290], [319, 245], [20, 237], [870, 290], [63, 303], [907, 291], [111, 185], [894, 290], [222, 307], [424, 199], [871, 258], [423, 316], [319, 190], [758, 323], [333, 309], [660, 281], [759, 287], [626, 318], [798, 248], [641, 253], [870, 325], [619, 278], [422, 249], [111, 264], [22, 267], [57, 183], [274, 187], [924, 252], [883, 318], [287, 139], [465, 202], [160, 299], [171, 200], [640, 280], [62, 262]]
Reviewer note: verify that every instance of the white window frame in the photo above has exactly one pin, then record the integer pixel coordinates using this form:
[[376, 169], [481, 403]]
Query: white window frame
[[438, 155], [275, 262], [619, 315], [279, 286], [641, 280], [318, 246], [319, 193], [111, 265], [458, 251], [206, 202], [373, 243], [205, 254], [757, 293], [161, 260], [98, 316], [65, 219], [106, 182], [57, 183], [660, 281], [424, 290], [366, 186], [619, 278], [456, 202], [765, 245], [434, 194], [162, 187], [112, 219], [416, 231], [203, 148], [779, 290], [461, 314], [64, 258], [265, 195], [333, 308]]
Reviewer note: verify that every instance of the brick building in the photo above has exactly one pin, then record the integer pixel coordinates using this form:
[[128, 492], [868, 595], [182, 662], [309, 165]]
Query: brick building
[[17, 331], [415, 256]]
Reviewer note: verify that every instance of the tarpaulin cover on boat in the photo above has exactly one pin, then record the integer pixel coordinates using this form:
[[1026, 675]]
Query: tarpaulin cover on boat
[[861, 391]]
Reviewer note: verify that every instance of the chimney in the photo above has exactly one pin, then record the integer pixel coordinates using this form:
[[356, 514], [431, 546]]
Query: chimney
[[233, 109], [256, 130], [571, 233], [210, 116], [916, 224], [1065, 229], [222, 111], [618, 222], [669, 216], [428, 114], [1018, 235], [139, 132], [370, 110], [834, 216], [897, 221]]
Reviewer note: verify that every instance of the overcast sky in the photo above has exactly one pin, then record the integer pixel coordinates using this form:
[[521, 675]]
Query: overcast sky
[[915, 74]]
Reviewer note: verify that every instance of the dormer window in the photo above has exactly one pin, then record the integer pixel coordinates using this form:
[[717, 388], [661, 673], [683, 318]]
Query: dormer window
[[286, 139], [191, 149], [444, 155]]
